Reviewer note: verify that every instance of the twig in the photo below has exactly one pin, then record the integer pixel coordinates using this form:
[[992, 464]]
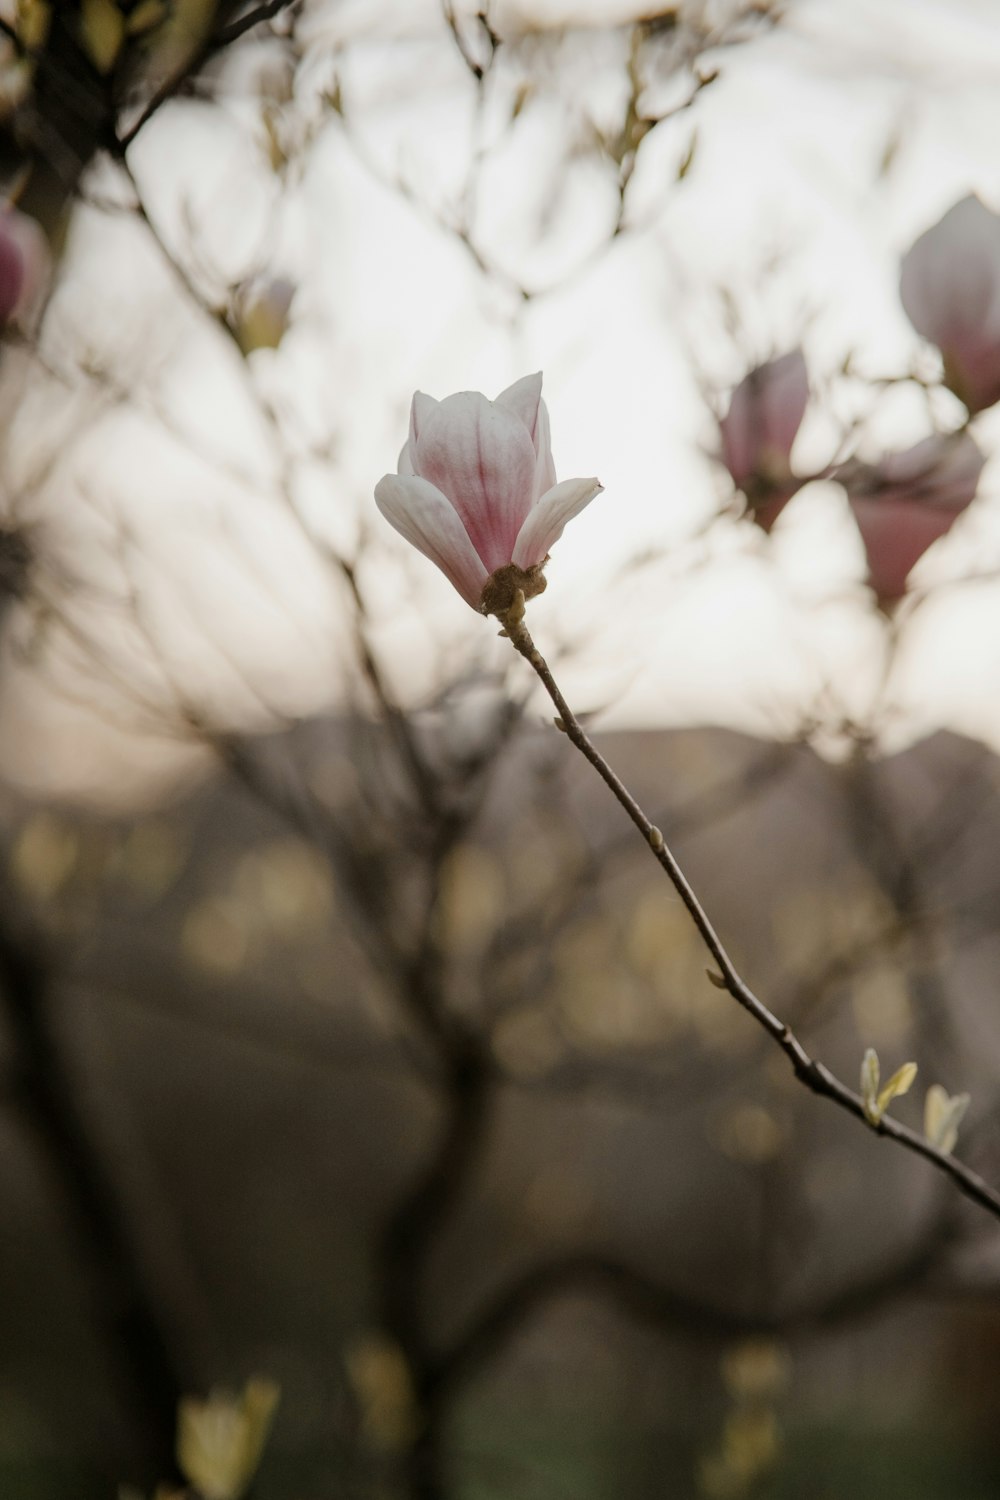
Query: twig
[[232, 33], [478, 69], [815, 1075], [174, 82]]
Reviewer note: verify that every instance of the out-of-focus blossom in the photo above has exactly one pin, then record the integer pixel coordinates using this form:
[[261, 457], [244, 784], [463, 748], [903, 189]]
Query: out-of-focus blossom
[[262, 321], [12, 271], [24, 264], [943, 1114], [950, 287], [907, 502], [476, 491], [758, 431], [220, 1440]]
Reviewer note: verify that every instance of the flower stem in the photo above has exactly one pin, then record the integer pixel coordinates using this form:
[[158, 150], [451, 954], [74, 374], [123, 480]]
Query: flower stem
[[815, 1075]]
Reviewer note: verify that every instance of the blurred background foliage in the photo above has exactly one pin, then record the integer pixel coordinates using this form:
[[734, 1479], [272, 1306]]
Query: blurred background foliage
[[350, 1047]]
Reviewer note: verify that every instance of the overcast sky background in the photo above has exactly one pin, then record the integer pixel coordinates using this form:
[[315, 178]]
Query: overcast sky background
[[819, 154]]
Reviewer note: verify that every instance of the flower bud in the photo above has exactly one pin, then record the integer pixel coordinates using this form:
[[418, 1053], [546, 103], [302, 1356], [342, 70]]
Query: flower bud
[[950, 288], [905, 503], [758, 431]]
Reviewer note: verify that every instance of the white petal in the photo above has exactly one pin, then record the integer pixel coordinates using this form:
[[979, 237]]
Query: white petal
[[545, 469], [545, 521], [523, 398], [420, 409], [429, 522], [405, 464]]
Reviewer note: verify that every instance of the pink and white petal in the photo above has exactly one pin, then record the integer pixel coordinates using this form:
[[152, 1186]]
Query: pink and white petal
[[523, 398], [545, 469], [404, 465], [481, 456], [429, 522], [420, 409], [545, 522]]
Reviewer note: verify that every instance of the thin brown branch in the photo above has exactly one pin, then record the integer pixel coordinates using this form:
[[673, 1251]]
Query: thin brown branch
[[478, 68], [814, 1074], [226, 35], [215, 42]]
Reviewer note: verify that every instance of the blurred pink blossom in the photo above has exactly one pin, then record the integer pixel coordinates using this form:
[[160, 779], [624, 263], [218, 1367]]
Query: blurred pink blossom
[[758, 431], [476, 487], [12, 271], [24, 263], [907, 502], [950, 287]]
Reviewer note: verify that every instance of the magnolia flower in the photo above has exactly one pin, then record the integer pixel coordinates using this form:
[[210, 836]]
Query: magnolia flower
[[476, 491], [905, 503], [950, 287], [757, 432]]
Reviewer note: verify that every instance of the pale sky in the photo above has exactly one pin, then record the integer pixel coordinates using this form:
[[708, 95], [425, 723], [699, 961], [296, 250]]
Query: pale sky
[[819, 154]]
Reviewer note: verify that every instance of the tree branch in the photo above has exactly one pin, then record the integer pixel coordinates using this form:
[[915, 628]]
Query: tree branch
[[815, 1075], [215, 42]]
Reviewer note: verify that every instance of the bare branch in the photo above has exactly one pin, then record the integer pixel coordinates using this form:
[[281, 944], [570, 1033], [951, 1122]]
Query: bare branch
[[815, 1075]]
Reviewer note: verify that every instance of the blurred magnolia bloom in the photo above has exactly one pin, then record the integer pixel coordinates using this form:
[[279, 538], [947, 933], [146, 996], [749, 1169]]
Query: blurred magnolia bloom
[[476, 491], [220, 1440], [943, 1114], [908, 501], [758, 431], [950, 287], [262, 321], [24, 264]]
